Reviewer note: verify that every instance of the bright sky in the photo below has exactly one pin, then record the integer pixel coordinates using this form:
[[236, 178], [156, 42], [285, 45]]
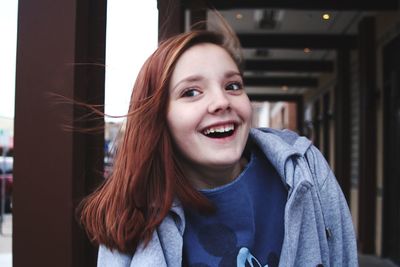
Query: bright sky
[[132, 29], [132, 32]]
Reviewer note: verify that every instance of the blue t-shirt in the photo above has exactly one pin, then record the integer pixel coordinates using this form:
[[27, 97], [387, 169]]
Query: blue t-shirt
[[248, 226]]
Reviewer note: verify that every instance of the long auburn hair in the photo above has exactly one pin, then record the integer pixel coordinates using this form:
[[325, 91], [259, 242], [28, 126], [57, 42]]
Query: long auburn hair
[[129, 205]]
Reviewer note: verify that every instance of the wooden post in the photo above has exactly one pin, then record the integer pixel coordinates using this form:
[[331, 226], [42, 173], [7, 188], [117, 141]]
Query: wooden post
[[367, 182], [342, 122], [61, 50]]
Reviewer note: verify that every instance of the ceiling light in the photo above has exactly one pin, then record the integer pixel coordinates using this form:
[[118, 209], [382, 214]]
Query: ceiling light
[[285, 88], [326, 16], [307, 50], [239, 16]]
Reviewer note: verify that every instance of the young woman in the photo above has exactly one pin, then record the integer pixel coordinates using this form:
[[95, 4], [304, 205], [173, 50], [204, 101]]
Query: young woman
[[193, 185]]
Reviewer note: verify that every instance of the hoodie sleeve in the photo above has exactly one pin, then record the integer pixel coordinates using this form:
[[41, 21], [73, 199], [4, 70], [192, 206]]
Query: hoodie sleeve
[[336, 213]]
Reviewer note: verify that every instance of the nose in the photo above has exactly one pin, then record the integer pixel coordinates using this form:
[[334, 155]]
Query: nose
[[219, 101]]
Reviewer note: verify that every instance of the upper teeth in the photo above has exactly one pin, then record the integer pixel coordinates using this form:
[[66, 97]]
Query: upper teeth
[[219, 129]]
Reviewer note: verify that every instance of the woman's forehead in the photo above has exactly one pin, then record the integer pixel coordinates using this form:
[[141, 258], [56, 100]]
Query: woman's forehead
[[200, 58]]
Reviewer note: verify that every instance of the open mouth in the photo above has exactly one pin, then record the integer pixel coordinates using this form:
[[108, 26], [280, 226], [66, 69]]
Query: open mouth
[[221, 131]]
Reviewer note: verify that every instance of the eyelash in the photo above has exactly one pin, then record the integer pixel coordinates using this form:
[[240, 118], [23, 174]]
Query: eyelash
[[238, 84], [188, 92]]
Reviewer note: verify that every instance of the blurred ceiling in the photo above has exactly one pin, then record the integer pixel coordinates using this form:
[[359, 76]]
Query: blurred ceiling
[[288, 45]]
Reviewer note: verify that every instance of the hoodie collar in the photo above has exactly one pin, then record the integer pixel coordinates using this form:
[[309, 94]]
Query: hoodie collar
[[279, 147]]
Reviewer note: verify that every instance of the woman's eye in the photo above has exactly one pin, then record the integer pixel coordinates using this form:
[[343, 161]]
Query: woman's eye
[[190, 93], [234, 86]]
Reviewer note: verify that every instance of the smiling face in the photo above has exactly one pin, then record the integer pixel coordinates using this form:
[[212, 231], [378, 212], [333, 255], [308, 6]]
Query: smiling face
[[209, 112]]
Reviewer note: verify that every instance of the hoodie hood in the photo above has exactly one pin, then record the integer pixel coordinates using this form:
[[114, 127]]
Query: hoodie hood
[[279, 146]]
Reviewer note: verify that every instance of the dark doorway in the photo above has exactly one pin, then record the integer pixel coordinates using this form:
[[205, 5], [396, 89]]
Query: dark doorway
[[391, 196]]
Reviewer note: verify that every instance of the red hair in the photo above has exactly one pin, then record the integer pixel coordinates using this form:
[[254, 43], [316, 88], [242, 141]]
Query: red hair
[[126, 209]]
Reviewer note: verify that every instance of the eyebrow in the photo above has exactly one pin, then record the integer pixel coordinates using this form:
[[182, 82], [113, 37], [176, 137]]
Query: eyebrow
[[196, 78], [232, 73], [193, 78]]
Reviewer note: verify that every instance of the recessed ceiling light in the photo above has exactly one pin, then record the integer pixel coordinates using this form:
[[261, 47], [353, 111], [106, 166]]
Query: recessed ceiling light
[[285, 88], [326, 16], [239, 16], [307, 50]]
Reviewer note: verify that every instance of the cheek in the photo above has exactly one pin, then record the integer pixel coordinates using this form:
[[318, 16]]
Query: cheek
[[249, 111], [180, 133], [171, 122], [179, 123], [246, 110]]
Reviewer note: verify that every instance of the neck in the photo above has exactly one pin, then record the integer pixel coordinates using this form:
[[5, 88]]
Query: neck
[[211, 177]]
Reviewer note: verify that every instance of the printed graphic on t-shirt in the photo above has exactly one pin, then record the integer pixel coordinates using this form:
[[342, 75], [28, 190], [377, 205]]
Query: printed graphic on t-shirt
[[221, 241]]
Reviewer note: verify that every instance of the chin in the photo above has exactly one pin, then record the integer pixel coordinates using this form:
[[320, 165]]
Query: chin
[[223, 162]]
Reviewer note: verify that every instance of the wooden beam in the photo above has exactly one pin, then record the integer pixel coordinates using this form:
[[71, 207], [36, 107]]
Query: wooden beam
[[304, 4], [298, 41], [275, 97], [289, 65], [281, 81]]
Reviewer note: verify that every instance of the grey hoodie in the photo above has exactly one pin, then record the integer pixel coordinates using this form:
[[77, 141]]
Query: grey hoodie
[[318, 225]]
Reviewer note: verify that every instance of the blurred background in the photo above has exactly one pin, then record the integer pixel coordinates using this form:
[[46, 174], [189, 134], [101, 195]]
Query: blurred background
[[329, 70]]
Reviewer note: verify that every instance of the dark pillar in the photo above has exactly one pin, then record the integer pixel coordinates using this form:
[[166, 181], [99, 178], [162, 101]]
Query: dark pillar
[[316, 118], [367, 184], [198, 15], [170, 18], [342, 122], [391, 167], [300, 114], [61, 50], [326, 122]]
